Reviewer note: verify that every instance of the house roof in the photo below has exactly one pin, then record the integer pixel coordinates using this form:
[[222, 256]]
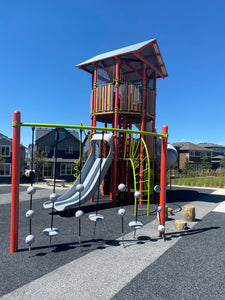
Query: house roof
[[187, 146], [41, 132], [4, 137], [211, 145], [132, 59]]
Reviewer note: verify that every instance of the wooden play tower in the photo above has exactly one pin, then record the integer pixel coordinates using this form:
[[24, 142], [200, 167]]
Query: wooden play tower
[[123, 94]]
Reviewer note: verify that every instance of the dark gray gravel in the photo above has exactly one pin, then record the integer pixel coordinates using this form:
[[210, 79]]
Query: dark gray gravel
[[192, 269]]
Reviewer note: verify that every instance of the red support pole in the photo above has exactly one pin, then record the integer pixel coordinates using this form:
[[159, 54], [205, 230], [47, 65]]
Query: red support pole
[[129, 163], [154, 130], [154, 157], [93, 121], [94, 100], [163, 176], [15, 184], [105, 152]]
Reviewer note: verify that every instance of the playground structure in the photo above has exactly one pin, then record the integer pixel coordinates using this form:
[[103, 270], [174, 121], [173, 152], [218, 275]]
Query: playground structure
[[123, 94]]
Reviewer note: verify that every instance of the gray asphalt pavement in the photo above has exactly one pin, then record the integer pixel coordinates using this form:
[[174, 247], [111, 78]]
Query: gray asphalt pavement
[[188, 265]]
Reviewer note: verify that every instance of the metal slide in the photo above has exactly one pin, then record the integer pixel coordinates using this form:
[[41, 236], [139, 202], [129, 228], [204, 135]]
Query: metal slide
[[89, 176]]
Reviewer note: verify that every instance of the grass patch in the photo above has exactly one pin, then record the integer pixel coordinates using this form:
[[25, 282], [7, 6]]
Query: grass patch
[[206, 181]]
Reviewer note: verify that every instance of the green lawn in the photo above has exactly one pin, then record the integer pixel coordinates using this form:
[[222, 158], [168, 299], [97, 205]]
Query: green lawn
[[205, 181]]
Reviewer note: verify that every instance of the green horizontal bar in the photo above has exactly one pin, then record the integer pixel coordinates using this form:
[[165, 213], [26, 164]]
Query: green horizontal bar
[[88, 128]]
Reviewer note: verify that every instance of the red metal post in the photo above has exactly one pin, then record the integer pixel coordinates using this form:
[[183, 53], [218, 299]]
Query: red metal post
[[15, 184], [154, 155], [129, 163], [154, 130], [124, 164], [105, 152], [163, 176], [93, 121], [94, 100]]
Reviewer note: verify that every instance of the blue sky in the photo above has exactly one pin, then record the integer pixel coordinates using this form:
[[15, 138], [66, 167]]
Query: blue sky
[[42, 41]]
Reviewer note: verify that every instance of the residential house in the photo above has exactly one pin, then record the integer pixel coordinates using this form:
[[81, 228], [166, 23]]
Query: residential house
[[193, 153], [218, 152], [68, 150], [6, 159]]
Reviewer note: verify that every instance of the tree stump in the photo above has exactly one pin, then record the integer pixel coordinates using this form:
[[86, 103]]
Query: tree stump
[[189, 213], [180, 224], [170, 211]]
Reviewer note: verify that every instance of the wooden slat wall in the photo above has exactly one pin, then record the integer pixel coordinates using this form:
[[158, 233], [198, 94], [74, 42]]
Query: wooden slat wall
[[130, 99]]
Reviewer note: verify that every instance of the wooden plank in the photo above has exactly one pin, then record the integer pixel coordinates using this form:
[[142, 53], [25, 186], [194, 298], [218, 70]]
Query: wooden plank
[[154, 100], [111, 98], [121, 97], [132, 98], [147, 102], [125, 101], [106, 96], [140, 99], [108, 99], [103, 97], [128, 97], [98, 93], [136, 98]]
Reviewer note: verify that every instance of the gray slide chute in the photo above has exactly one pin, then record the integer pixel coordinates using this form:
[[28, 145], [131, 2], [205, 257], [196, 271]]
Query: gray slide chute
[[89, 176]]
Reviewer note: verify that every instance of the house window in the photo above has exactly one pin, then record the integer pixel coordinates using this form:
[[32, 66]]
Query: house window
[[47, 170], [5, 151], [5, 170], [47, 149], [69, 149], [66, 169], [61, 135], [203, 154], [195, 153]]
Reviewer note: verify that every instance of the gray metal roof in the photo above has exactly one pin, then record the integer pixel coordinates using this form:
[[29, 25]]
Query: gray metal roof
[[190, 147], [132, 58], [40, 132], [211, 145]]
